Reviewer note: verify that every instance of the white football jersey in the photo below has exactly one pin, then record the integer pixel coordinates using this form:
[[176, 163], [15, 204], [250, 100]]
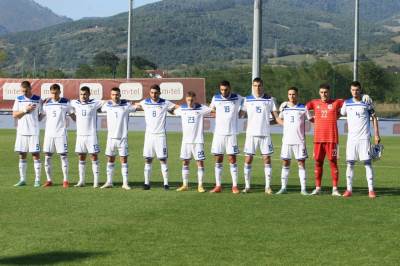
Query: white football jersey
[[118, 118], [226, 113], [358, 119], [294, 124], [192, 122], [258, 115], [155, 114], [86, 116], [56, 117], [28, 125]]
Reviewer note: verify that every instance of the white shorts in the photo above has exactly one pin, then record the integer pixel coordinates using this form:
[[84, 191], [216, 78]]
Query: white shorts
[[253, 142], [87, 144], [299, 151], [27, 144], [52, 145], [155, 145], [224, 144], [114, 145], [358, 150], [195, 149]]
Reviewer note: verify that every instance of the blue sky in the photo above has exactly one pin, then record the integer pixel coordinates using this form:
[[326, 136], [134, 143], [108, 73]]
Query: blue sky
[[77, 9]]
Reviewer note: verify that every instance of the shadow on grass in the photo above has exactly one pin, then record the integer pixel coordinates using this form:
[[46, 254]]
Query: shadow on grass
[[49, 258]]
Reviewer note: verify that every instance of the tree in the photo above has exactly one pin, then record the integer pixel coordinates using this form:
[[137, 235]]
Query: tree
[[107, 59], [84, 71]]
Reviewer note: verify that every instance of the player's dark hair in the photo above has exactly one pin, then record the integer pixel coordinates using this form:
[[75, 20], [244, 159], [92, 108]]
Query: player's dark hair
[[258, 80], [191, 94], [293, 89], [116, 89], [325, 86], [55, 87], [225, 83], [356, 84], [155, 87], [26, 84], [85, 89]]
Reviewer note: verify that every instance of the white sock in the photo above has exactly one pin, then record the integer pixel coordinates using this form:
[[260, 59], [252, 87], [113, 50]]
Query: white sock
[[247, 175], [110, 173], [147, 173], [47, 167], [124, 172], [38, 168], [369, 172], [65, 167], [200, 175], [268, 175], [96, 171], [349, 176], [22, 169], [234, 174], [284, 176], [218, 173], [82, 171], [303, 178], [164, 172], [185, 175]]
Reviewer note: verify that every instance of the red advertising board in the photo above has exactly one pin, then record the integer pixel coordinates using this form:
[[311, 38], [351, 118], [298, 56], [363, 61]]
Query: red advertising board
[[133, 89]]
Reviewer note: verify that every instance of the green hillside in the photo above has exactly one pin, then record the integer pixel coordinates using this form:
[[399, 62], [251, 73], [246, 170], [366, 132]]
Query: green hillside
[[175, 32]]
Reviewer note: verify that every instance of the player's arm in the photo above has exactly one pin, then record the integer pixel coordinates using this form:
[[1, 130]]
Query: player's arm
[[72, 116], [277, 118], [138, 106], [19, 114], [375, 123]]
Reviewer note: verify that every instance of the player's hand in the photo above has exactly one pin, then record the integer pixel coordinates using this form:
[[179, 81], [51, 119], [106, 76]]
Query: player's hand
[[366, 99], [30, 108], [377, 140], [283, 106]]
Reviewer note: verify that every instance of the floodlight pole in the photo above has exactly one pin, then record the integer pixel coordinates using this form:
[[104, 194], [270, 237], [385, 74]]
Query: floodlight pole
[[257, 39], [129, 50], [356, 39]]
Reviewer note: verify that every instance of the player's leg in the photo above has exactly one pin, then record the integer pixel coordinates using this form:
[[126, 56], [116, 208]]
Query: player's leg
[[185, 156], [267, 174], [48, 169], [200, 176], [332, 151], [218, 148], [249, 150], [364, 154], [351, 157], [61, 145], [199, 156], [110, 153], [123, 155], [80, 149], [185, 175], [110, 171], [286, 156], [300, 154], [94, 150], [148, 154], [48, 149], [267, 149], [319, 156], [34, 148], [161, 150], [232, 149], [22, 166]]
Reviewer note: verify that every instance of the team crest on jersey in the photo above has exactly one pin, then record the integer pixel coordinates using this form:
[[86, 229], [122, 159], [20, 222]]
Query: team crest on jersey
[[330, 106]]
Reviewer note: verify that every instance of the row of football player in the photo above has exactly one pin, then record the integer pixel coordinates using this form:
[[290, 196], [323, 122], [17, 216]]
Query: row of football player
[[227, 106]]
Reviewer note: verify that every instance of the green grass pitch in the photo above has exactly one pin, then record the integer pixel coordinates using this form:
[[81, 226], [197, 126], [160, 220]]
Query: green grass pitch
[[104, 227]]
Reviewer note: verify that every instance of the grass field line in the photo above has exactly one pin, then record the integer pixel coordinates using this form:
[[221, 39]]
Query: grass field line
[[340, 164]]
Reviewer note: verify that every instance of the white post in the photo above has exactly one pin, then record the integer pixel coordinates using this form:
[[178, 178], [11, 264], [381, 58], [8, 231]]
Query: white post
[[129, 52], [356, 38], [257, 39]]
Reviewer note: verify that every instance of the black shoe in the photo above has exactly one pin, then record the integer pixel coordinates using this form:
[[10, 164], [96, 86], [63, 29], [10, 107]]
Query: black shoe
[[166, 187], [146, 187]]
